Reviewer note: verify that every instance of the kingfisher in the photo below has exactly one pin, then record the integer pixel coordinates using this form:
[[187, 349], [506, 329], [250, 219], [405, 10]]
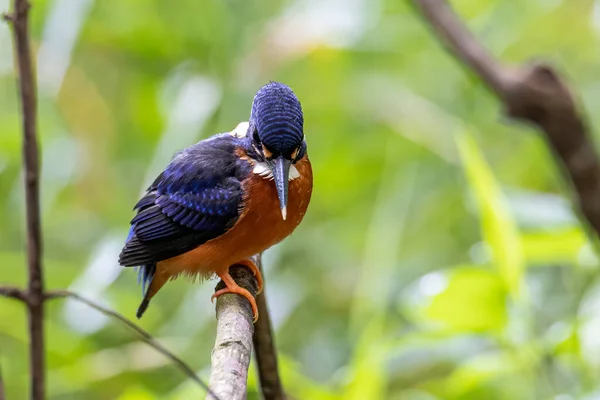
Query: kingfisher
[[224, 199]]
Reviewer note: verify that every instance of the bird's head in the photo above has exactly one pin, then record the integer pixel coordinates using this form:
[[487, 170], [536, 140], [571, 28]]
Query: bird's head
[[277, 133]]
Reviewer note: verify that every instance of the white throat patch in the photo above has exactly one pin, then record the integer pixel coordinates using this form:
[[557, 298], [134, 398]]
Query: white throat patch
[[262, 169]]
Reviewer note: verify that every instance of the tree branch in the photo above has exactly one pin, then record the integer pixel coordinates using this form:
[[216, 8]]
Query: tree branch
[[20, 24], [2, 393], [462, 42], [13, 292], [532, 93], [233, 344], [146, 337], [265, 351]]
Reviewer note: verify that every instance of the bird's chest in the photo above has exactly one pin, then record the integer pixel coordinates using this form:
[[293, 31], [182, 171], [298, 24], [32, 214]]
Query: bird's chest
[[261, 222], [259, 227]]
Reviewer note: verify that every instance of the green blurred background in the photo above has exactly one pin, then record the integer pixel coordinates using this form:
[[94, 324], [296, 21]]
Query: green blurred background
[[439, 259]]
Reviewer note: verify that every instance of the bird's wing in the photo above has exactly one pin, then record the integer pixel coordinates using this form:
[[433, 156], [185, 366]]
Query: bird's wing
[[197, 198]]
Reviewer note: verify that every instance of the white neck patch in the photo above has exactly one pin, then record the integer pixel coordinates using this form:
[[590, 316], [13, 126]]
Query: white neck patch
[[240, 130], [262, 169]]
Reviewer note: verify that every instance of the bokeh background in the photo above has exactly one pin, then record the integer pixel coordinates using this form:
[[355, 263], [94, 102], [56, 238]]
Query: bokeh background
[[439, 259]]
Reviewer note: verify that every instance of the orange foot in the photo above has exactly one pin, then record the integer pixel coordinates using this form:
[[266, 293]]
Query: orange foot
[[259, 280], [233, 287]]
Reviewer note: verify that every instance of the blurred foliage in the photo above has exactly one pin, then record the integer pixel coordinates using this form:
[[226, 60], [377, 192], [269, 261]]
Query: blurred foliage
[[439, 259]]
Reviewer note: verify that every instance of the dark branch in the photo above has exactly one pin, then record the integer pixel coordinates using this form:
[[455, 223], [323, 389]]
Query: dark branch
[[26, 80], [2, 392], [265, 350], [233, 345], [462, 42], [532, 93], [146, 337], [13, 292], [8, 17]]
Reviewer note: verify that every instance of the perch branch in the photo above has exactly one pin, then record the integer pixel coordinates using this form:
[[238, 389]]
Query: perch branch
[[533, 93], [146, 337], [233, 345], [265, 351], [35, 288]]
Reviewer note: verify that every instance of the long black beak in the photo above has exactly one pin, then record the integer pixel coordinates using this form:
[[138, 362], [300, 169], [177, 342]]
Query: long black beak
[[281, 173]]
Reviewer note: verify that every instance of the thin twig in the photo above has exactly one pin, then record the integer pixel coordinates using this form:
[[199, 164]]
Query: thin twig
[[146, 337], [13, 292], [35, 288], [7, 17], [532, 93], [2, 392], [233, 345], [265, 350]]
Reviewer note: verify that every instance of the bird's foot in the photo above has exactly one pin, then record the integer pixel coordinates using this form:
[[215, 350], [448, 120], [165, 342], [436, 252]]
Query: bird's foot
[[257, 274], [233, 287]]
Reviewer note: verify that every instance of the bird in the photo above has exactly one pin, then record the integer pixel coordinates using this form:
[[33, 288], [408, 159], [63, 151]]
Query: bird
[[224, 199]]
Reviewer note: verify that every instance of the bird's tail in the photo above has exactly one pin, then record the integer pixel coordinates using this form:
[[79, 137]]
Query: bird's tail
[[146, 277]]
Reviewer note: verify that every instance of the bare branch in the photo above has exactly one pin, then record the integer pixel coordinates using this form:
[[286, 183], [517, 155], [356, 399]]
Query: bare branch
[[265, 350], [35, 298], [146, 337], [8, 17], [535, 94], [233, 344], [462, 42], [13, 292], [2, 393]]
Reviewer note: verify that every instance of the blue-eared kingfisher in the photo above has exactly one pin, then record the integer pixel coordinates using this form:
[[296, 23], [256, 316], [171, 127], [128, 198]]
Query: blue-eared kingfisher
[[224, 199]]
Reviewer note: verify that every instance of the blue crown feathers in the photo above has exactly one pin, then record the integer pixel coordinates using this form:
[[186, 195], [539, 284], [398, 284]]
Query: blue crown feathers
[[277, 115]]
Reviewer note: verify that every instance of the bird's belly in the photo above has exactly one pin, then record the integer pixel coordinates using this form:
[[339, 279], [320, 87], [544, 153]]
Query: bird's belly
[[259, 227]]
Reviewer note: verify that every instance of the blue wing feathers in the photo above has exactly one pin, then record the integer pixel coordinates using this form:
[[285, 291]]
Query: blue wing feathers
[[197, 198], [145, 201]]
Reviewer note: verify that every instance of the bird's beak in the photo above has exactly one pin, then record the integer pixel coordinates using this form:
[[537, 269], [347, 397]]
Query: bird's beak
[[281, 173]]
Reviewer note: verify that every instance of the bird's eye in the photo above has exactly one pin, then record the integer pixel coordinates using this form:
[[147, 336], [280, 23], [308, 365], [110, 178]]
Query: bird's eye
[[266, 152], [295, 153]]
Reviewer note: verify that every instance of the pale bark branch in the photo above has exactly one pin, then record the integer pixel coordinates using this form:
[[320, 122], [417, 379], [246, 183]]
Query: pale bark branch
[[233, 345], [265, 350], [532, 93], [35, 288]]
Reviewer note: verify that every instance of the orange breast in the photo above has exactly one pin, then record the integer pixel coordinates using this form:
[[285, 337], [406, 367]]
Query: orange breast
[[259, 227]]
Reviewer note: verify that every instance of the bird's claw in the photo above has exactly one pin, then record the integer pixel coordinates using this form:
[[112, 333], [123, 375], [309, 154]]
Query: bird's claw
[[255, 271], [242, 292]]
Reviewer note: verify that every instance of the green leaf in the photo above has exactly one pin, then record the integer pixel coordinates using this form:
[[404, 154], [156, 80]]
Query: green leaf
[[477, 371], [299, 386], [474, 300], [499, 229], [553, 247], [136, 393], [368, 375]]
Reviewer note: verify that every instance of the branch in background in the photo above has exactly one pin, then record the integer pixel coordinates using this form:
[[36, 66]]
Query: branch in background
[[35, 297], [146, 337], [265, 351], [532, 93], [2, 394], [233, 346], [13, 292]]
